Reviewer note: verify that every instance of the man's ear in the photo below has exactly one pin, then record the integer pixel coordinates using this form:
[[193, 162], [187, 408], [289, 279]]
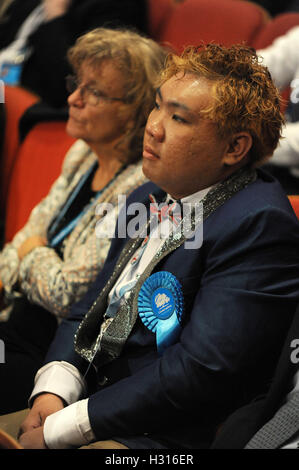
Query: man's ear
[[238, 148]]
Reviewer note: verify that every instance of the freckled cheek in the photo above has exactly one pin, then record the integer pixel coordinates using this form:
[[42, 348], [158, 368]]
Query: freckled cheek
[[175, 143], [182, 150], [176, 159], [198, 149]]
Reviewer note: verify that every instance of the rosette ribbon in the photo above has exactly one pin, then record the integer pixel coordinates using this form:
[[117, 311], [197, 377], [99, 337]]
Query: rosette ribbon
[[161, 308]]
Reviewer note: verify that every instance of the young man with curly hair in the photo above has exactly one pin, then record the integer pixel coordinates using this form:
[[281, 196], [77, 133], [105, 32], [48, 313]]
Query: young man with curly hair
[[173, 337]]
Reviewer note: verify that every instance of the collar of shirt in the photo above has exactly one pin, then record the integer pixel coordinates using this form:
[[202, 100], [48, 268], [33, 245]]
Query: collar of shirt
[[192, 198]]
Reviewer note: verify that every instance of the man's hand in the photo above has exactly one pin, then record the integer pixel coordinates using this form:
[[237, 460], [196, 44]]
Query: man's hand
[[33, 439], [55, 8], [43, 406], [30, 244]]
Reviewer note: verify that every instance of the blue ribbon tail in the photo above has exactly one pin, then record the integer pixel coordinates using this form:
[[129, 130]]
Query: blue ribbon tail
[[167, 332]]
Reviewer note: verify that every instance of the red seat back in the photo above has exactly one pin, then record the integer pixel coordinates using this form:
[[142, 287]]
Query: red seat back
[[221, 21], [278, 26], [37, 165], [17, 100], [158, 14]]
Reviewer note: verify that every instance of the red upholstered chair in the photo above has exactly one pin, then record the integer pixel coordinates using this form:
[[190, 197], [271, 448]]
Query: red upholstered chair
[[294, 200], [278, 26], [17, 100], [224, 21], [37, 165]]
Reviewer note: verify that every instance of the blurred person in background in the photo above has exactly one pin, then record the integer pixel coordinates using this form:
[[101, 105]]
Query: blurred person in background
[[282, 60], [36, 34]]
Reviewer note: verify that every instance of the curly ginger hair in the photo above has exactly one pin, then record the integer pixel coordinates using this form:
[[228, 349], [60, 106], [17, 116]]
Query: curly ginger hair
[[246, 98]]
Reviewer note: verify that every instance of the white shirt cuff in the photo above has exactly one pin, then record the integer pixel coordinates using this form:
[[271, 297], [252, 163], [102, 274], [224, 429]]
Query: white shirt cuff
[[59, 378], [69, 427]]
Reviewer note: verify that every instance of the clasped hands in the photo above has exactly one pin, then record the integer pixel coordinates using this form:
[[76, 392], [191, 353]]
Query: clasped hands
[[31, 435]]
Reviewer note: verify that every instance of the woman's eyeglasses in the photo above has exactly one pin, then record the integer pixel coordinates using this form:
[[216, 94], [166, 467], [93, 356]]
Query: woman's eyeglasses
[[88, 94]]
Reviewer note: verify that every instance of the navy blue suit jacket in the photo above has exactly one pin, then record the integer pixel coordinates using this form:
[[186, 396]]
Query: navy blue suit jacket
[[240, 292]]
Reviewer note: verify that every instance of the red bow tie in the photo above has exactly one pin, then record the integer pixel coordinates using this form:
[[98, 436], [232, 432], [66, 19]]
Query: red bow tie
[[171, 210]]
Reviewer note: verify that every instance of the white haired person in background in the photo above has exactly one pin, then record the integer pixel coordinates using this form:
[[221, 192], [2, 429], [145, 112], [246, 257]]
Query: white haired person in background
[[282, 60]]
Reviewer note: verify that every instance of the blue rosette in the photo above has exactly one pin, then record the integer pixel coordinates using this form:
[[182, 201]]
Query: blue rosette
[[161, 307]]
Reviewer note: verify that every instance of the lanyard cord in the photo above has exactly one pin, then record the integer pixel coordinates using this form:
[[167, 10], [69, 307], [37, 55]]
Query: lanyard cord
[[72, 224], [62, 234], [69, 202]]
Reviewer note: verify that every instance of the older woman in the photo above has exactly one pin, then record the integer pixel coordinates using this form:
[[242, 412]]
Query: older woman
[[53, 260]]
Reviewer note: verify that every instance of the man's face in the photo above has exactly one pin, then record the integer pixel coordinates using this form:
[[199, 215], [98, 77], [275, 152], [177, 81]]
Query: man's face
[[182, 150]]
